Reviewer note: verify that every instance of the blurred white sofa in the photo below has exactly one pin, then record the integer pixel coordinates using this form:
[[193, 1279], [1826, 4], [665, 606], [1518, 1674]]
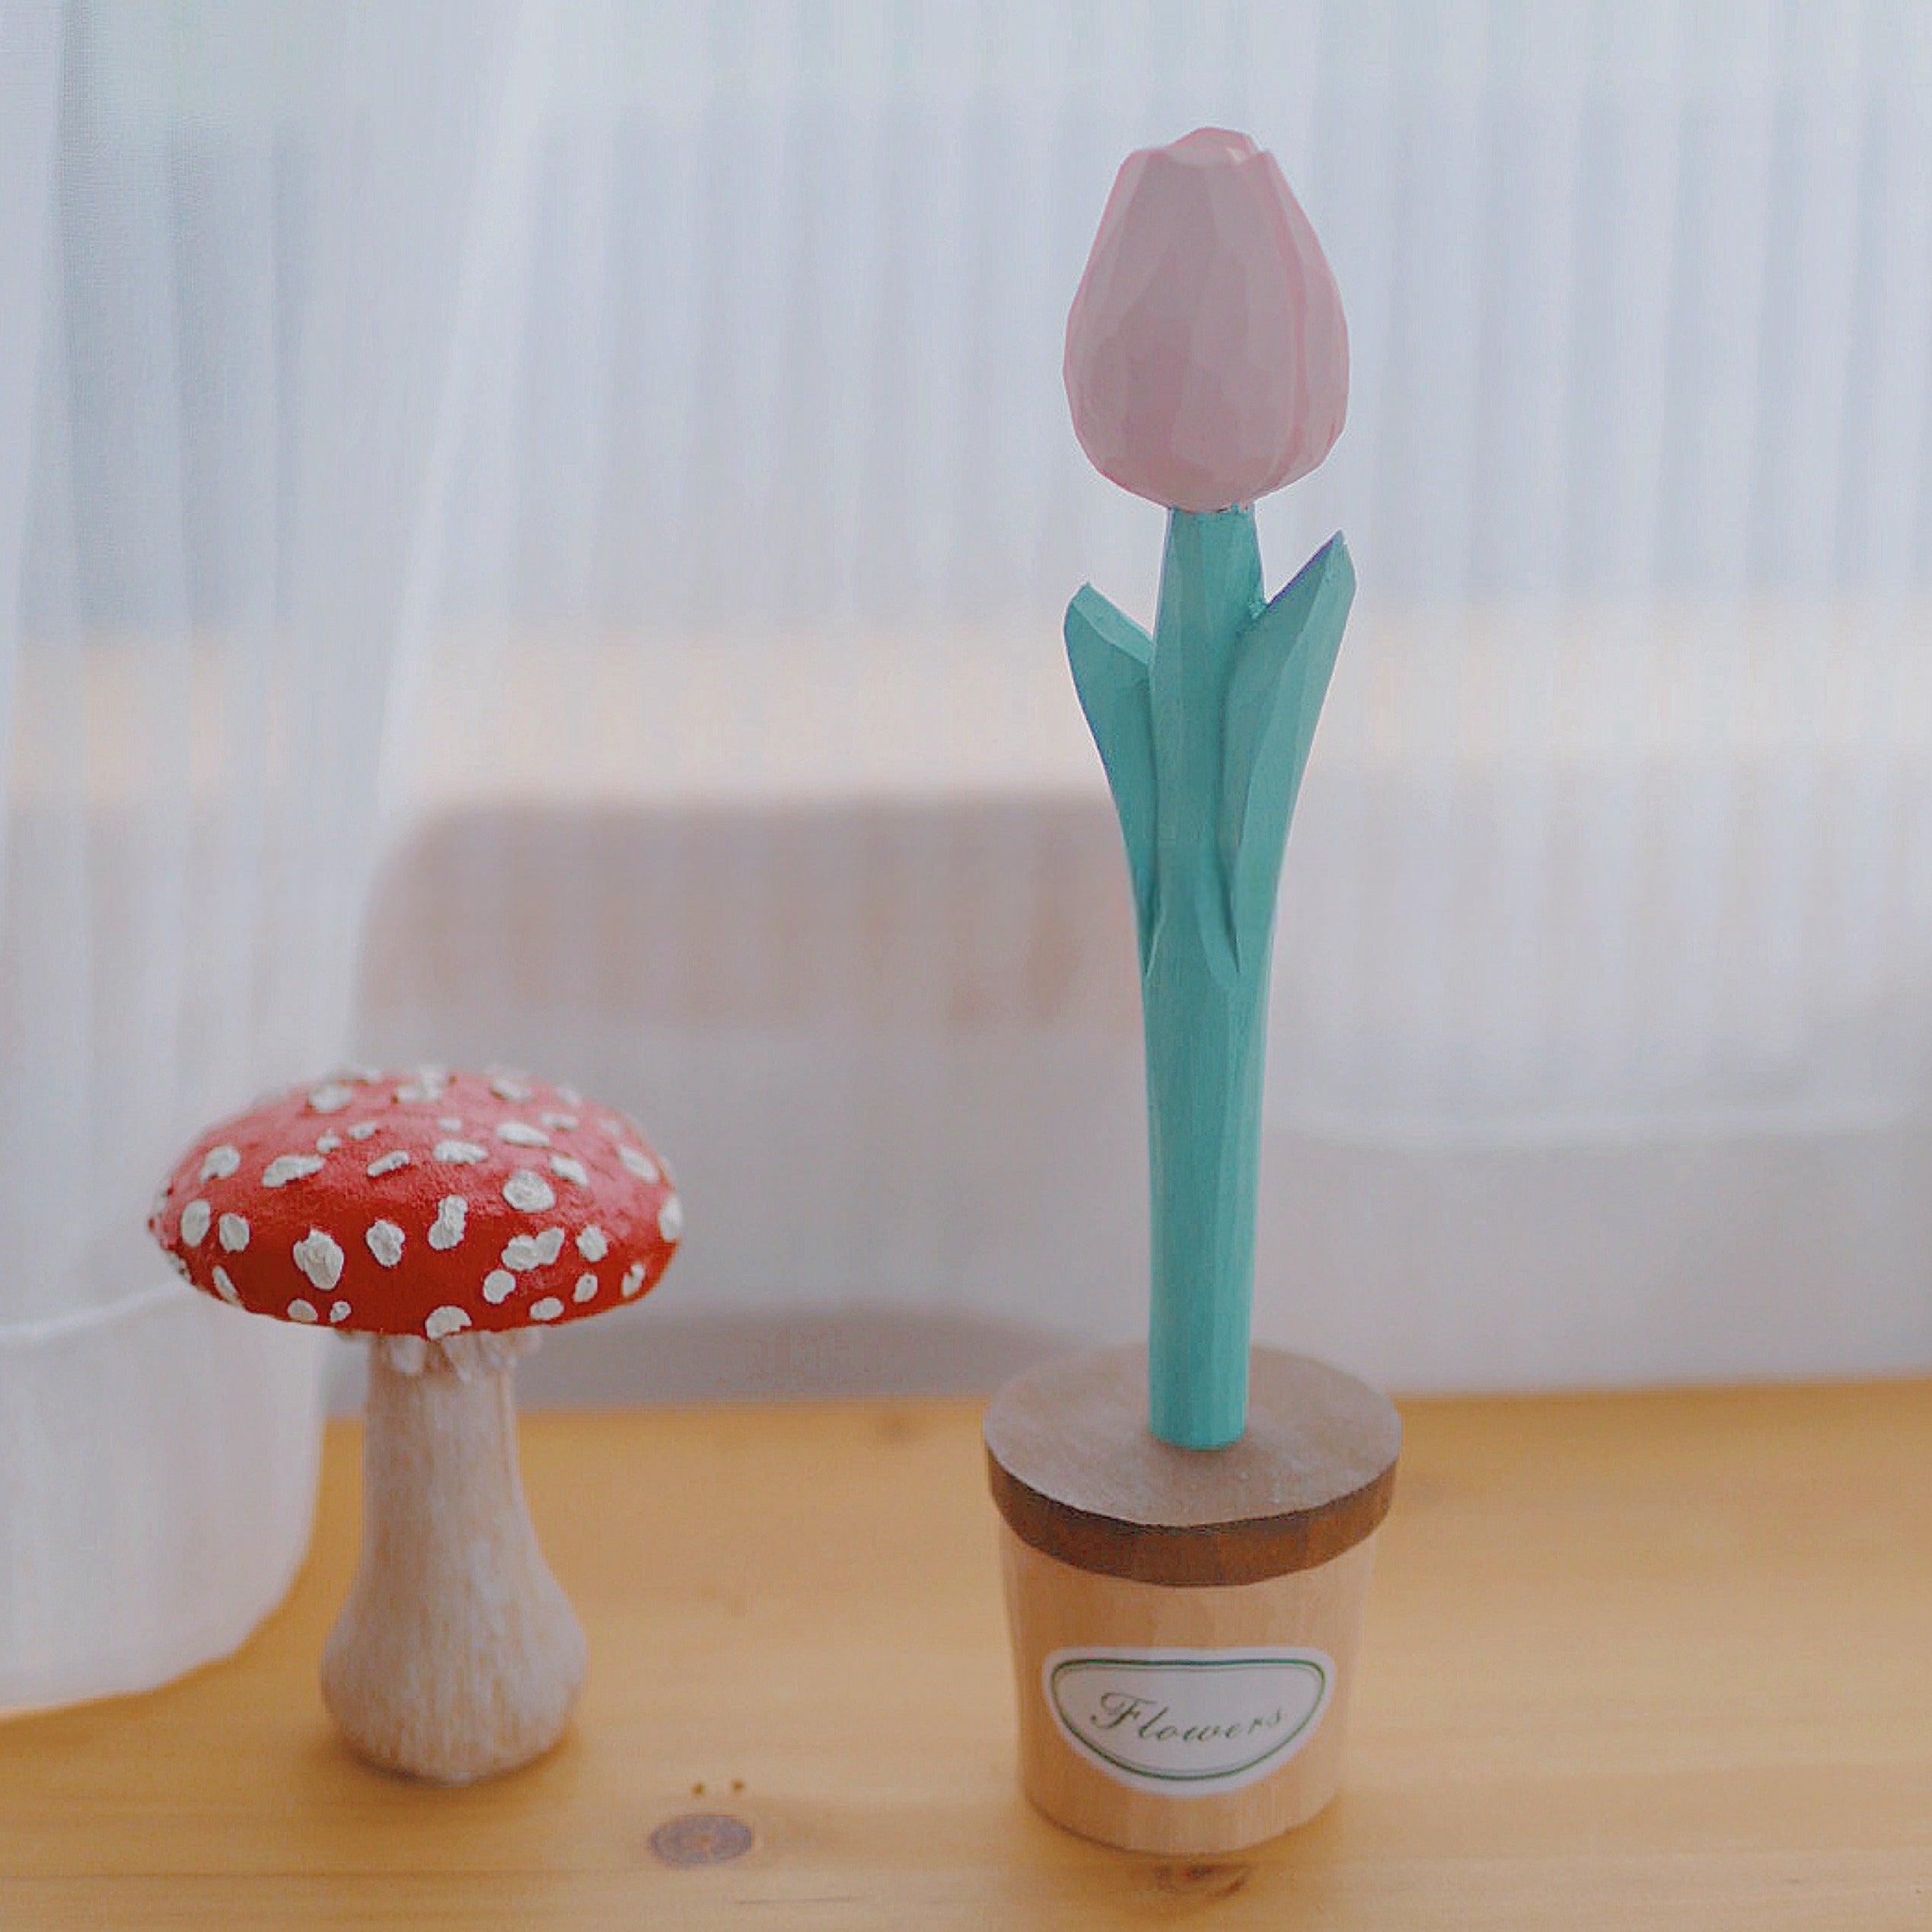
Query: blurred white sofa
[[885, 1024]]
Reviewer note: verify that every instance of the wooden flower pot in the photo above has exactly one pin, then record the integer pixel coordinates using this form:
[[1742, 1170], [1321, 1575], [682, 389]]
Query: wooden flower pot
[[1185, 1622]]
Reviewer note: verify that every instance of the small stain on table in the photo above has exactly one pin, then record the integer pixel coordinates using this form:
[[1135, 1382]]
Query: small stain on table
[[1201, 1882], [701, 1838]]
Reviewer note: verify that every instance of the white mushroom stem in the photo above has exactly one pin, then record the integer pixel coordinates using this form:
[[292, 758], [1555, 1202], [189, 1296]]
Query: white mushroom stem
[[457, 1656]]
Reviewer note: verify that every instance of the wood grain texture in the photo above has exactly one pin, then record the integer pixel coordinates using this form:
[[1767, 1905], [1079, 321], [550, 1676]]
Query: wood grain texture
[[1075, 1471], [1051, 1607], [456, 1657], [1649, 1659]]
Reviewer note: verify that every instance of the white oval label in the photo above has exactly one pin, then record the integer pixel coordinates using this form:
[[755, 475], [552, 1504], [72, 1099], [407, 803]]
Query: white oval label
[[1187, 1722]]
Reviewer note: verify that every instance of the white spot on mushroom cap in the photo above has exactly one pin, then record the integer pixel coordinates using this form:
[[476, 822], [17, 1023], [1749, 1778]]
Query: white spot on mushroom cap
[[639, 1163], [499, 1285], [388, 1163], [180, 1268], [327, 1143], [445, 1320], [301, 1310], [563, 1122], [331, 1097], [320, 1258], [224, 1286], [548, 1309], [566, 1167], [633, 1279], [451, 1122], [460, 1153], [530, 1192], [508, 1086], [219, 1162], [194, 1222], [522, 1252], [570, 1096], [521, 1133], [234, 1232], [385, 1241], [339, 1312], [592, 1243], [586, 1288], [447, 1229], [362, 1129], [285, 1168], [671, 1218]]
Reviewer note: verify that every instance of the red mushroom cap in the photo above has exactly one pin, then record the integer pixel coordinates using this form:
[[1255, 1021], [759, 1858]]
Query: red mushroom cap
[[424, 1204]]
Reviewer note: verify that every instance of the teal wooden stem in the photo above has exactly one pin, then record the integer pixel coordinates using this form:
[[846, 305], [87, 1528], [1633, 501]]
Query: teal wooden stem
[[1204, 730]]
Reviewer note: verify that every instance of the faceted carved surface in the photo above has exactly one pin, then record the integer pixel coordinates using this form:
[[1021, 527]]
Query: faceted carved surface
[[1206, 354]]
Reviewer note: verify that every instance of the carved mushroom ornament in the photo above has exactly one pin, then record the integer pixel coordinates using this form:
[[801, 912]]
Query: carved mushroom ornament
[[450, 1219]]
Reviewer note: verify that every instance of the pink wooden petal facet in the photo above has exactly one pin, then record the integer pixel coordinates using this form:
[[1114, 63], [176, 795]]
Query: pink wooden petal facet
[[1206, 354]]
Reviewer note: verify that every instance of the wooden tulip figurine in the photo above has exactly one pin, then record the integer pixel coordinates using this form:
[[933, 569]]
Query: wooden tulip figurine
[[1185, 1579], [1206, 363], [450, 1220]]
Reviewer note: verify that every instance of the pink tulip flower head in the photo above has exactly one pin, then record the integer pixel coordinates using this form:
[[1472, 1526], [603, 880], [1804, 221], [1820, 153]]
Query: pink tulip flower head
[[1206, 356]]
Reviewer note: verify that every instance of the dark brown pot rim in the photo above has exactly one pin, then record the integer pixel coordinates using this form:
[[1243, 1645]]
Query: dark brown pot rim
[[1075, 1473]]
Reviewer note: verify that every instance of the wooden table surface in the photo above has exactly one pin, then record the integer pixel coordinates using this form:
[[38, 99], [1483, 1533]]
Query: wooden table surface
[[1663, 1660]]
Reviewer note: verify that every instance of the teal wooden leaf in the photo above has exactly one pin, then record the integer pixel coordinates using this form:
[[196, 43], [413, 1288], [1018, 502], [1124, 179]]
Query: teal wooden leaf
[[1204, 730], [1281, 672], [1110, 655]]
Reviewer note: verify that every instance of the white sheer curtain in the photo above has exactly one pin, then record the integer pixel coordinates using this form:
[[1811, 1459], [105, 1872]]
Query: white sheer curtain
[[1602, 1043], [575, 500], [231, 247]]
